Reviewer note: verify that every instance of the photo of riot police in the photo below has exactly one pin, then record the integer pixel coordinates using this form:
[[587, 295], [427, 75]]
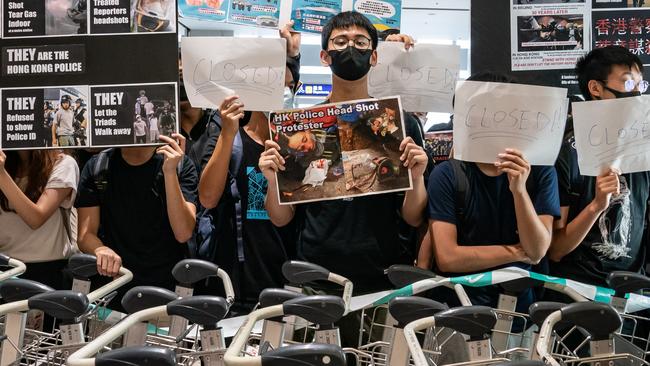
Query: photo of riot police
[[153, 16], [65, 121], [154, 115], [64, 17], [550, 33]]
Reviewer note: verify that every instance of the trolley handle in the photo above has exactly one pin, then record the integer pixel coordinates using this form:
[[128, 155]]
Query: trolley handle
[[190, 271], [125, 276], [412, 341], [138, 355], [17, 269], [401, 275], [85, 355], [299, 272], [625, 282]]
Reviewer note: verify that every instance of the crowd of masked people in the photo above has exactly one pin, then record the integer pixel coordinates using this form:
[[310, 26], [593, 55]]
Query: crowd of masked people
[[146, 208]]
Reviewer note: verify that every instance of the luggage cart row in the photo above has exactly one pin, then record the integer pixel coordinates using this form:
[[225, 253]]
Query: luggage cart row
[[163, 327]]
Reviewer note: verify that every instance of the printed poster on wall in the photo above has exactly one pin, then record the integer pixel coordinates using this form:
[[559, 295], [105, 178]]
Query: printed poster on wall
[[340, 150], [261, 13], [73, 73], [625, 27], [213, 10], [548, 34], [384, 14]]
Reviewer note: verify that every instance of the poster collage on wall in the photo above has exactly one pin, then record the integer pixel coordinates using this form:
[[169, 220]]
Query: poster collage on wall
[[79, 74]]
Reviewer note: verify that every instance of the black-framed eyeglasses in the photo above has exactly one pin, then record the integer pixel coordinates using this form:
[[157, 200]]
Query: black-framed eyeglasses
[[631, 84], [360, 42]]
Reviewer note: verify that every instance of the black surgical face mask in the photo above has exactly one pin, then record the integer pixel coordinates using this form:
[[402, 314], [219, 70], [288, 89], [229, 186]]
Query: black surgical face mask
[[351, 63], [620, 95]]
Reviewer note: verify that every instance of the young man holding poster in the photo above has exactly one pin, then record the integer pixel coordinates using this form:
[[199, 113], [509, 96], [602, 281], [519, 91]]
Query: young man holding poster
[[145, 207], [254, 256], [602, 224], [357, 238]]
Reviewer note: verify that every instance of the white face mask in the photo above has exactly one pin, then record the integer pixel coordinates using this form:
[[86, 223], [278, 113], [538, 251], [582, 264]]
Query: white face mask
[[289, 98]]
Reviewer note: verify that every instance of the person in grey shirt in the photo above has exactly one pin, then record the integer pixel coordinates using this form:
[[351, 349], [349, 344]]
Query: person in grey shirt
[[62, 129]]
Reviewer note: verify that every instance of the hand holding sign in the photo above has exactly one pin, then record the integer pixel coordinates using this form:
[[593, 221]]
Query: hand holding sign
[[607, 184], [518, 169], [490, 117], [173, 152]]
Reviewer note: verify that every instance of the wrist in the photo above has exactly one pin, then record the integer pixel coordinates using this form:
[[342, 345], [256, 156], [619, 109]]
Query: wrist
[[594, 208]]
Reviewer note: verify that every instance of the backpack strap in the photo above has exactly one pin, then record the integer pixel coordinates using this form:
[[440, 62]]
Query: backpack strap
[[234, 166], [100, 172]]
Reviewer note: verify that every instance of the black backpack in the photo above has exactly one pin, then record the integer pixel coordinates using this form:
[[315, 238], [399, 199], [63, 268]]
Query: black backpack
[[204, 243]]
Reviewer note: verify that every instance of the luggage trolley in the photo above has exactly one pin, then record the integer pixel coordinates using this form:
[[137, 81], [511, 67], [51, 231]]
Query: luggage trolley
[[17, 267], [600, 322], [635, 328], [205, 311], [16, 294], [475, 323], [321, 309]]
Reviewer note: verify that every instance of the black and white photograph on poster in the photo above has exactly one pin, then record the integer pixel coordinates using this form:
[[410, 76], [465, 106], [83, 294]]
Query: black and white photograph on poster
[[629, 28], [548, 35], [132, 16], [133, 115], [54, 117], [33, 18]]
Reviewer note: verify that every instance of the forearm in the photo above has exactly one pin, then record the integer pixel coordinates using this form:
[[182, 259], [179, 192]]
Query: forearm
[[215, 174], [33, 215], [88, 242], [425, 254], [182, 215], [566, 239], [280, 215], [415, 202], [534, 236], [467, 259]]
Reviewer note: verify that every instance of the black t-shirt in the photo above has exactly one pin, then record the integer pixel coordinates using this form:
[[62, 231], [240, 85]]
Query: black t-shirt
[[265, 246], [134, 221], [358, 238], [615, 242]]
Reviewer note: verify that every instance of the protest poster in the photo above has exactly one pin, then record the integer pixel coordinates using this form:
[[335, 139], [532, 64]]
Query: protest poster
[[424, 76], [626, 28], [253, 69], [212, 10], [384, 14], [340, 150], [490, 117], [261, 13], [57, 54], [439, 144], [612, 133], [548, 34]]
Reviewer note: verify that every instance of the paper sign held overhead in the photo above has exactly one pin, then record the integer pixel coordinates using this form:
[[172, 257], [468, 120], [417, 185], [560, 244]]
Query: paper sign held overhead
[[612, 133], [424, 76], [252, 68], [490, 117]]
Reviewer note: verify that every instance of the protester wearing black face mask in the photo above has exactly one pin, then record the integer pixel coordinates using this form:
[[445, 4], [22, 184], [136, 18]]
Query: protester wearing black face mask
[[602, 223], [361, 237]]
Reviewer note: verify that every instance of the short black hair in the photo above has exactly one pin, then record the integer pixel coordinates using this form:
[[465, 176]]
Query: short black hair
[[488, 76], [597, 64], [345, 20]]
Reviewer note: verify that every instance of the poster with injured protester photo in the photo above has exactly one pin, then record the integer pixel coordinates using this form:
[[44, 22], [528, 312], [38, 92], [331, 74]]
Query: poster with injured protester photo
[[340, 150]]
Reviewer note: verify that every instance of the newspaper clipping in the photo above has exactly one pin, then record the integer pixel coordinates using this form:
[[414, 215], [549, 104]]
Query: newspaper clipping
[[340, 150]]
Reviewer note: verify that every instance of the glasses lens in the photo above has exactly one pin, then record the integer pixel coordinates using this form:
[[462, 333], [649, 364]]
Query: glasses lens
[[643, 86], [340, 42], [362, 43]]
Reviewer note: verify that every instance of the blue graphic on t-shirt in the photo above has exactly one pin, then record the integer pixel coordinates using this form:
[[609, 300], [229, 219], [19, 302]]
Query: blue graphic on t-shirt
[[257, 185]]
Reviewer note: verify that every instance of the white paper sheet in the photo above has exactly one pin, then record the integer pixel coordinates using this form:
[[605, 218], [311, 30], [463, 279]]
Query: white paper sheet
[[217, 67], [613, 133], [424, 76], [490, 117]]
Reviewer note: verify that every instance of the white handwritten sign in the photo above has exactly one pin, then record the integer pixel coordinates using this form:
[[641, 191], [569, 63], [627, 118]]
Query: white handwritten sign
[[613, 133], [490, 117], [424, 76], [217, 67]]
